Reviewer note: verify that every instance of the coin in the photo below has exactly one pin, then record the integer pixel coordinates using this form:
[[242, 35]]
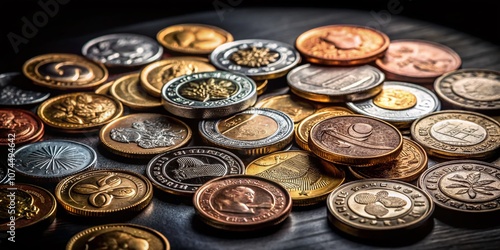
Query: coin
[[399, 103], [19, 126], [192, 38], [471, 89], [417, 61], [466, 186], [68, 72], [128, 91], [182, 171], [242, 203], [123, 50], [379, 208], [342, 45], [291, 105], [104, 88], [4, 173], [355, 140], [261, 86], [457, 134], [259, 59], [17, 90], [209, 95], [98, 193], [108, 236], [335, 84]]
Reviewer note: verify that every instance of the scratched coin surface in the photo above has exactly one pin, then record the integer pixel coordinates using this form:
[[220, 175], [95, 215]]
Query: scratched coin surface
[[242, 203], [296, 107], [182, 171], [379, 208], [468, 186], [16, 90], [129, 91], [19, 126]]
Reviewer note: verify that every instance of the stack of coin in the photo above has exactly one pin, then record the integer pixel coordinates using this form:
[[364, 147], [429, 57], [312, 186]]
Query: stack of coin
[[297, 108], [19, 126], [128, 90]]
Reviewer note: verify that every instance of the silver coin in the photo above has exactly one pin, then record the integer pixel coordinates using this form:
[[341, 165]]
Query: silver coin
[[422, 101], [53, 160], [207, 95], [335, 84], [256, 58], [182, 171], [16, 89], [123, 50], [3, 174]]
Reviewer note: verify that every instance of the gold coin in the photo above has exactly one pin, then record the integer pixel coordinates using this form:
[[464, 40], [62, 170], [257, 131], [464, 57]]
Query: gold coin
[[295, 107], [128, 90], [261, 86], [65, 72], [104, 88], [156, 74], [395, 99]]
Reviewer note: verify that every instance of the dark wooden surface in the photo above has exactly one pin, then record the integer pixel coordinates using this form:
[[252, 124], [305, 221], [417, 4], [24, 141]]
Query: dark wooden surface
[[308, 227]]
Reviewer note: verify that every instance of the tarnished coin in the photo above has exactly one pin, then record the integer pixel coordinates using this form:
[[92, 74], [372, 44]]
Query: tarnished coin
[[457, 134], [355, 140], [19, 126], [300, 172], [53, 160], [109, 236], [242, 203], [291, 105], [128, 90], [98, 193], [68, 72], [31, 207], [192, 39], [467, 186], [123, 50], [208, 95], [182, 171], [399, 103], [417, 61], [257, 58], [379, 208], [471, 89], [335, 84], [17, 90], [252, 132], [342, 45]]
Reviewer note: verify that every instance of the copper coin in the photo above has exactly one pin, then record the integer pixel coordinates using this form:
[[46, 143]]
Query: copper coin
[[18, 126]]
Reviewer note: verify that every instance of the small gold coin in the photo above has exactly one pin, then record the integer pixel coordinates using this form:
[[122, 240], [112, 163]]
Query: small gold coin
[[128, 90], [295, 107], [395, 99]]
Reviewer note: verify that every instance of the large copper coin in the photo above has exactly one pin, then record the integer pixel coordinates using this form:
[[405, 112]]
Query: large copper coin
[[18, 126]]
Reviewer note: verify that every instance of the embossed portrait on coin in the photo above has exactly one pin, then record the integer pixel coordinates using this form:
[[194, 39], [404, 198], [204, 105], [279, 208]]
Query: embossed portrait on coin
[[477, 89], [380, 204], [84, 109], [117, 239], [241, 200], [458, 132], [248, 127], [195, 170], [208, 90]]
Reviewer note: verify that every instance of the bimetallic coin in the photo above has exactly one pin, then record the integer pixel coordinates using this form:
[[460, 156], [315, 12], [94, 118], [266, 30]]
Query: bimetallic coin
[[128, 90], [471, 89], [65, 72], [457, 134], [53, 160], [35, 207], [379, 208], [184, 170], [293, 106], [17, 90], [123, 50], [242, 203], [98, 193], [342, 45], [301, 174], [399, 103], [108, 236], [355, 140], [253, 132], [335, 84], [417, 61], [467, 186], [207, 95], [257, 58], [19, 126]]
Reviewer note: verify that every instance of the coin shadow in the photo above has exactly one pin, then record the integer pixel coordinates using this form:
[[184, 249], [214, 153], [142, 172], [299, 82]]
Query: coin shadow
[[114, 157], [466, 220], [171, 198], [89, 221]]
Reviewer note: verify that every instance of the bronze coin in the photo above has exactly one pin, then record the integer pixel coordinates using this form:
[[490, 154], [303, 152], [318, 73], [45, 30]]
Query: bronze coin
[[18, 126]]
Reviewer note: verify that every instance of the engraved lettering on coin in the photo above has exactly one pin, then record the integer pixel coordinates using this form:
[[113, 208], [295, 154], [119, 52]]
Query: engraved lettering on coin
[[54, 159], [458, 132], [423, 60], [159, 76], [192, 169], [107, 188], [84, 109], [477, 88], [209, 90], [68, 71], [356, 136], [24, 207], [248, 127], [240, 200], [380, 204], [470, 186], [254, 57], [117, 239], [395, 99]]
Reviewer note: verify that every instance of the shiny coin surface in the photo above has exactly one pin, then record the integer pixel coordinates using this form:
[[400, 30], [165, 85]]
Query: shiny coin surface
[[457, 134], [355, 140], [53, 160], [399, 103], [468, 186], [342, 45], [379, 208], [417, 61], [144, 135], [335, 84], [300, 172], [17, 90], [242, 203], [471, 89], [19, 126], [295, 107], [182, 171], [69, 72], [35, 207], [108, 236], [207, 95], [123, 50], [128, 90], [261, 86], [252, 132], [100, 193], [192, 38], [257, 58], [104, 88]]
